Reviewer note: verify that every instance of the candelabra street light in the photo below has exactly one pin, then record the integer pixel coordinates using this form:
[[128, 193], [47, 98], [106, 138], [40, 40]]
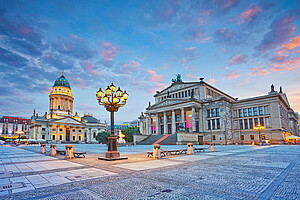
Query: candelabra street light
[[112, 100], [259, 129], [19, 133]]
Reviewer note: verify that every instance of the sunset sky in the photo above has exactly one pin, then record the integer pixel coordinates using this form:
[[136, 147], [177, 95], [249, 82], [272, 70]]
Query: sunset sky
[[240, 47]]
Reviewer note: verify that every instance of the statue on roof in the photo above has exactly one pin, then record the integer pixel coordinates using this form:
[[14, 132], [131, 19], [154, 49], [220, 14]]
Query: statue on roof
[[178, 79]]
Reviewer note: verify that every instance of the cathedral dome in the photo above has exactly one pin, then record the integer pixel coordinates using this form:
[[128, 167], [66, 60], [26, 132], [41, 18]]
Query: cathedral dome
[[62, 81]]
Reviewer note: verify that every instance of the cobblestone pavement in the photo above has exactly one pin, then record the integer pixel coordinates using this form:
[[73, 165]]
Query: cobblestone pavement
[[233, 172]]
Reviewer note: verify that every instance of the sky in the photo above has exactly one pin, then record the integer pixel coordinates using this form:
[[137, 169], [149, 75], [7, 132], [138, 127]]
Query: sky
[[240, 47]]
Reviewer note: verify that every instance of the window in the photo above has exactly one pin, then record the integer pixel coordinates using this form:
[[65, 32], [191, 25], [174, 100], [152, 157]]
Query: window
[[173, 96], [217, 112], [251, 137], [43, 129], [58, 107], [213, 124], [250, 112], [242, 137], [208, 113], [177, 118], [189, 92], [182, 94], [53, 137], [255, 111], [79, 131], [240, 113], [53, 129], [85, 135], [246, 123], [214, 137], [60, 137], [263, 137], [43, 137], [60, 129], [74, 137], [73, 130], [176, 95], [80, 137], [213, 112], [218, 123], [261, 121], [169, 118], [245, 112], [208, 125], [185, 92], [241, 124], [255, 121], [94, 135], [251, 123], [260, 110], [179, 95], [193, 92]]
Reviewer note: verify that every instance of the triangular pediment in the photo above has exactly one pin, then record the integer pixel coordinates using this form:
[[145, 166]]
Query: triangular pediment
[[175, 87], [284, 97], [67, 120], [168, 102]]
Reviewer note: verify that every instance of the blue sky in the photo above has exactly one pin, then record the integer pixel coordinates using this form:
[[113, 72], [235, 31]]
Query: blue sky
[[240, 47]]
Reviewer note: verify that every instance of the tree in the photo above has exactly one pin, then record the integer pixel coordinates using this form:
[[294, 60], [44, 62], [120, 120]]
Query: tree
[[102, 137], [128, 132]]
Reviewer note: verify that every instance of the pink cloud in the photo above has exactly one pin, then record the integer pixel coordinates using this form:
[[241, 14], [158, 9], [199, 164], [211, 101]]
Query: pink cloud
[[239, 59], [258, 71], [250, 13], [90, 67], [232, 75], [109, 52], [79, 82], [47, 91], [153, 77], [226, 4], [246, 81], [292, 44], [277, 68], [211, 81], [131, 66], [166, 66]]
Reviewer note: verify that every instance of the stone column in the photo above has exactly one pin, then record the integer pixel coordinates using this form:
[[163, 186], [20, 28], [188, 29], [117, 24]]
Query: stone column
[[182, 116], [147, 125], [193, 120], [157, 125], [173, 122], [165, 123], [201, 121]]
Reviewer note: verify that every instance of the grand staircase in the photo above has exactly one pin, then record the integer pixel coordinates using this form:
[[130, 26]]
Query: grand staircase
[[169, 139]]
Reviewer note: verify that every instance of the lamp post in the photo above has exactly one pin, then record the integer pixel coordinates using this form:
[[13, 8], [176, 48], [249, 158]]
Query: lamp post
[[19, 133], [112, 100], [259, 129]]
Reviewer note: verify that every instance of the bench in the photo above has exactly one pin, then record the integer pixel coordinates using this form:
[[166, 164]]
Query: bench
[[150, 153], [199, 149], [79, 154], [62, 152], [175, 152]]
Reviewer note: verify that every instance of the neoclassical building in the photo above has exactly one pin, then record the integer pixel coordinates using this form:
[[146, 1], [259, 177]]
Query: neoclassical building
[[201, 113], [60, 124]]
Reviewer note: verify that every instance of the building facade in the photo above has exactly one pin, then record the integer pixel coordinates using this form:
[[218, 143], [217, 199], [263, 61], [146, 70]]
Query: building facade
[[10, 126], [60, 124], [214, 116]]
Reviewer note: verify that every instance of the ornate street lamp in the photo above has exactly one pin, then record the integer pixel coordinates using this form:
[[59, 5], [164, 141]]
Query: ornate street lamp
[[112, 100], [259, 129], [19, 133]]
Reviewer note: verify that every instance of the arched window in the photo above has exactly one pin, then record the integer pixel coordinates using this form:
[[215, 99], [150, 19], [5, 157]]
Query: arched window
[[58, 107]]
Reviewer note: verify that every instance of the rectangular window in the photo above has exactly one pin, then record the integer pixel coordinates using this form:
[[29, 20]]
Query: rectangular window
[[60, 137], [208, 125], [217, 112], [255, 111], [263, 137], [208, 113], [43, 137], [251, 123], [173, 96], [169, 118], [94, 134], [245, 112], [242, 137], [246, 123], [261, 112], [218, 123], [80, 137], [251, 137], [213, 112], [214, 137], [177, 118], [240, 113], [255, 121], [53, 137], [182, 94], [189, 92], [43, 129], [74, 137], [261, 121], [185, 92], [179, 95], [250, 112], [73, 130], [213, 124], [241, 124], [176, 95], [193, 92]]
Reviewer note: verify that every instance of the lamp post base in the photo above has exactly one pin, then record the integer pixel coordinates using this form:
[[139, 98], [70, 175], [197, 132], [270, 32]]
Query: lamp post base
[[112, 150]]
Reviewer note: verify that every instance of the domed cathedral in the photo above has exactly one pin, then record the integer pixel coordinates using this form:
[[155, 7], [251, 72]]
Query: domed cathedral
[[60, 124], [61, 99]]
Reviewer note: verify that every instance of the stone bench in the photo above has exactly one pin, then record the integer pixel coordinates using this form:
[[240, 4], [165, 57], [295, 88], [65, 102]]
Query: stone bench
[[200, 149], [79, 154], [62, 152]]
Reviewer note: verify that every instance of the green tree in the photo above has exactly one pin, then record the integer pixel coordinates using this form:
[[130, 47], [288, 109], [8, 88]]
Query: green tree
[[102, 137], [128, 132]]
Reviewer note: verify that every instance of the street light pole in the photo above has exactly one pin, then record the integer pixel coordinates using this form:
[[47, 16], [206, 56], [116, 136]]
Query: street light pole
[[112, 105], [259, 129]]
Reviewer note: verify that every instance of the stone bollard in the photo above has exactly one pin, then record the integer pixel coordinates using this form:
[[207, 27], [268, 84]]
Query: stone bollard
[[212, 148], [43, 148], [69, 152], [53, 150], [190, 148], [156, 151]]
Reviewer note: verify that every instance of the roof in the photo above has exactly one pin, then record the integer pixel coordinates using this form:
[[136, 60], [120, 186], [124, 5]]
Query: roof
[[62, 81], [89, 119], [12, 119]]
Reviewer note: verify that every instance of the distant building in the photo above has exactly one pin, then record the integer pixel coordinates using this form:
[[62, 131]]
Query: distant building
[[9, 126], [131, 123], [204, 114], [60, 124]]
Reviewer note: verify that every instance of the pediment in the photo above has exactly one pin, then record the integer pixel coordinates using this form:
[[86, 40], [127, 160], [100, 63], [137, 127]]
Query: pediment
[[68, 120], [167, 102], [176, 86], [284, 97]]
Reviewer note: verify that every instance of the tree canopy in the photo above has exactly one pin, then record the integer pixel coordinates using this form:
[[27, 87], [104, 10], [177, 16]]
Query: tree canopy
[[102, 137]]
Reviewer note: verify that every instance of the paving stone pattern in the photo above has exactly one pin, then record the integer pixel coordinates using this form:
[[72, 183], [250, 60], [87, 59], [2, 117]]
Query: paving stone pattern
[[233, 172]]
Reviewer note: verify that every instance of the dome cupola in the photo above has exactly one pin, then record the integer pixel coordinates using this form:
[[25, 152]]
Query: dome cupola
[[62, 81]]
